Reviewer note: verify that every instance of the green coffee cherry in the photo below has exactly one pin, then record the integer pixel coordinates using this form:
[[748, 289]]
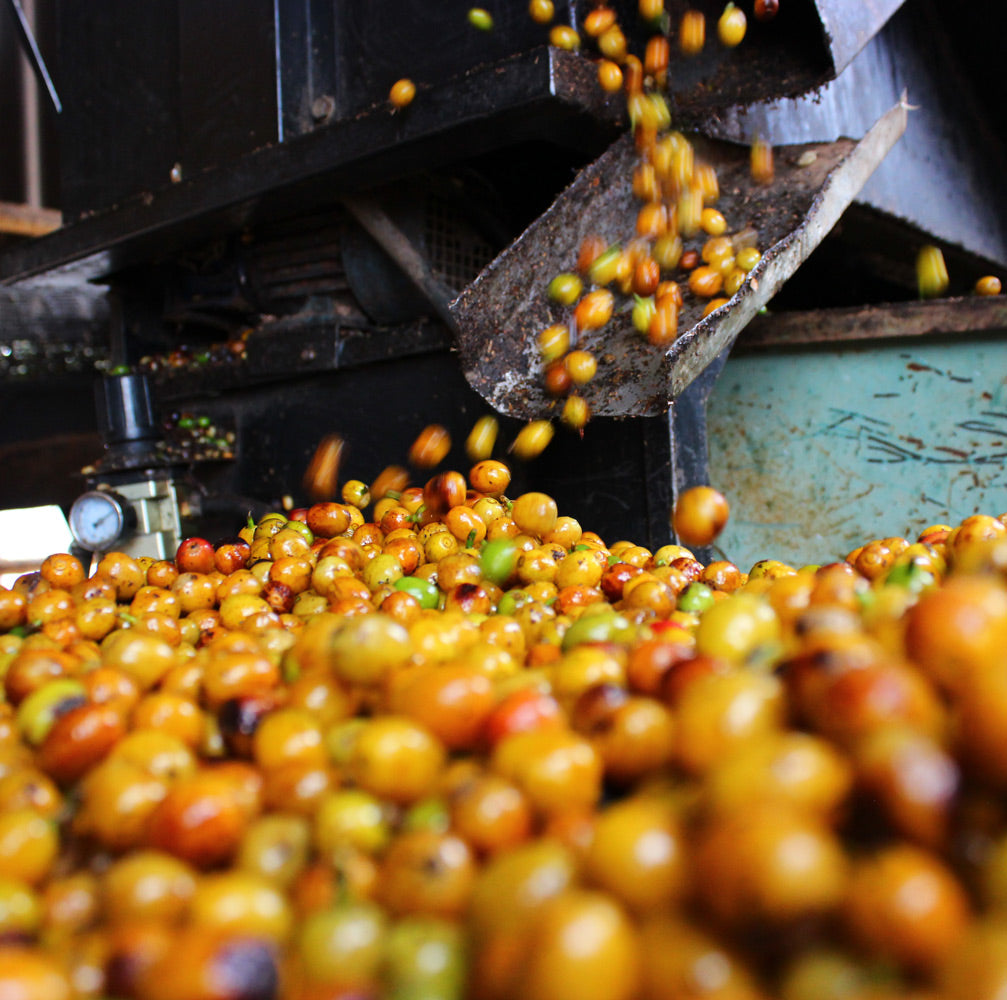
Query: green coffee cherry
[[37, 713]]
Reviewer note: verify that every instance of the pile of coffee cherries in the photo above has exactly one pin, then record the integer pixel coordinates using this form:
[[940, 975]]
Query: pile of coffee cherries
[[437, 743]]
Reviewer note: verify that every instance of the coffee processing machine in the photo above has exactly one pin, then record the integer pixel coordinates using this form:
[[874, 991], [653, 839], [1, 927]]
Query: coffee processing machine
[[240, 205]]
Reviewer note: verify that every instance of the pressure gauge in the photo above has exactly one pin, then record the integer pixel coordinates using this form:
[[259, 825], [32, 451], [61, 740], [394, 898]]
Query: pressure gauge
[[98, 519]]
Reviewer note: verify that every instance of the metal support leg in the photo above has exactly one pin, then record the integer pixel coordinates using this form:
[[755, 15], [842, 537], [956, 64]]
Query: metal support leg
[[685, 460]]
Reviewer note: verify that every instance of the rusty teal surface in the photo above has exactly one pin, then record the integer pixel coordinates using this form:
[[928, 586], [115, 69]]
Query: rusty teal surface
[[819, 450]]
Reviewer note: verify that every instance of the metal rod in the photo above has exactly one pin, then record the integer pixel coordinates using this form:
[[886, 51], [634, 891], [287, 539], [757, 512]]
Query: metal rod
[[400, 248], [33, 53], [31, 145]]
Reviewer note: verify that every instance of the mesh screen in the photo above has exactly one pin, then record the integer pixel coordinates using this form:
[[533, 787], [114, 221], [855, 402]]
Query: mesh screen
[[456, 251]]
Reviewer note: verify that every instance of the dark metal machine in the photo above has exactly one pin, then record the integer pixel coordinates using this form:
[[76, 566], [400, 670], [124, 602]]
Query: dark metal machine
[[214, 160]]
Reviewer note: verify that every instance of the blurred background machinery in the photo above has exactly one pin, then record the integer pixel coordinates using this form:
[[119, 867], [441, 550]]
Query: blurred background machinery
[[204, 308]]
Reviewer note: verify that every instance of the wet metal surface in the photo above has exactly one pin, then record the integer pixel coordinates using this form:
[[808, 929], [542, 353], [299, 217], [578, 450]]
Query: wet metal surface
[[819, 450], [850, 26], [945, 178], [501, 313]]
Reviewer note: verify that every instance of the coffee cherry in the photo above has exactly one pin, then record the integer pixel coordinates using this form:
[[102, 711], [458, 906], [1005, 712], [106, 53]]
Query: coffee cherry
[[700, 515], [402, 93]]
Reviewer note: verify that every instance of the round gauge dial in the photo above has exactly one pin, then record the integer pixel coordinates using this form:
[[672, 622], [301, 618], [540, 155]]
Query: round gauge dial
[[97, 520]]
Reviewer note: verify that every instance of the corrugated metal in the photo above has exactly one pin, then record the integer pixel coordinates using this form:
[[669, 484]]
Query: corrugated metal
[[945, 175]]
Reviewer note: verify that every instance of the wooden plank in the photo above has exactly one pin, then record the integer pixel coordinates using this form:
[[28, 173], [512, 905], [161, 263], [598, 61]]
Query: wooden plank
[[24, 220], [879, 322]]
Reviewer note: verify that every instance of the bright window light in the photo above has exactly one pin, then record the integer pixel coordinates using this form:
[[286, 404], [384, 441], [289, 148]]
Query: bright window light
[[27, 536]]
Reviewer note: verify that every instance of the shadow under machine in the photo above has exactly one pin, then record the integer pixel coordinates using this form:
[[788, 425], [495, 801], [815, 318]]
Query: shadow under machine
[[258, 251]]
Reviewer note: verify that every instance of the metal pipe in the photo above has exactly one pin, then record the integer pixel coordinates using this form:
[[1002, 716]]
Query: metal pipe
[[31, 140]]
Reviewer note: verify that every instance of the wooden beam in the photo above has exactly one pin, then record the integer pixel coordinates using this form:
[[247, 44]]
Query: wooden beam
[[971, 314], [23, 220]]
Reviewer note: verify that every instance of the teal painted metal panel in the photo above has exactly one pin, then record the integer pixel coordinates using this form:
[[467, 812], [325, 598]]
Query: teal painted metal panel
[[819, 450]]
